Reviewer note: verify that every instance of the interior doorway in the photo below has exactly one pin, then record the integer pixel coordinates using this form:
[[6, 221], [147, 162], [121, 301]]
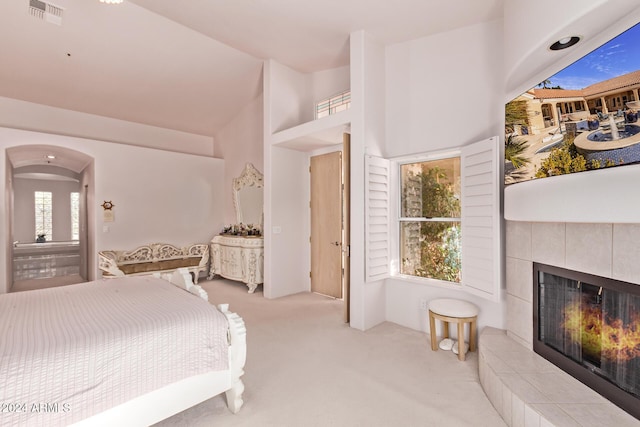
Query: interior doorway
[[329, 207], [326, 224], [49, 241]]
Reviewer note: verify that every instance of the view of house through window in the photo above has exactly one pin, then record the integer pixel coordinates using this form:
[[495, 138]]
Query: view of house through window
[[430, 219], [75, 216], [583, 118], [43, 212]]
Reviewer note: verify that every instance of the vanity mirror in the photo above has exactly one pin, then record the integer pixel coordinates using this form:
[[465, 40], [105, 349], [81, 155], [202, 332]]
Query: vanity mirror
[[240, 256], [248, 196]]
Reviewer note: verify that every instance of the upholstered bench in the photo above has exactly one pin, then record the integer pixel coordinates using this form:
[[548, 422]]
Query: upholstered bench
[[453, 311], [154, 258]]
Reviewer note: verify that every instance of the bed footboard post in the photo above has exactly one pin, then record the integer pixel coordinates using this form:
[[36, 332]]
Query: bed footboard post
[[237, 357]]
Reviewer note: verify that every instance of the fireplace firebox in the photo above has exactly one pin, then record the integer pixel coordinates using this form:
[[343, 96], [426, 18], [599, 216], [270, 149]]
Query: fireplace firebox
[[589, 326]]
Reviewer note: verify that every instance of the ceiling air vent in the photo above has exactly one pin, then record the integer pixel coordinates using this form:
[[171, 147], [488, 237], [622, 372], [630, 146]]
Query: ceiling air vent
[[45, 11]]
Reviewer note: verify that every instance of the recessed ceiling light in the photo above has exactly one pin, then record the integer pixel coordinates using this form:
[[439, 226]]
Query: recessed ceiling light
[[51, 156], [565, 42]]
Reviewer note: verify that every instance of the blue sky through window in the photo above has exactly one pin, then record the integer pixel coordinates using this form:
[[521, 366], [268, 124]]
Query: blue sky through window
[[619, 56]]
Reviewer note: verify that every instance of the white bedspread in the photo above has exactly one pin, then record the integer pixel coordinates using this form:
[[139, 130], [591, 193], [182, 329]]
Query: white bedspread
[[71, 352]]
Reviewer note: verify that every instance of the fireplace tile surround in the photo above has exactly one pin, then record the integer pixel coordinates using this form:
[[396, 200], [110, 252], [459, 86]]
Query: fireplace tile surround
[[608, 250], [527, 390], [603, 249]]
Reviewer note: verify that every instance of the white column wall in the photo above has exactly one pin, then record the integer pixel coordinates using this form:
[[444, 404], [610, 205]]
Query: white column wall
[[367, 137], [289, 232]]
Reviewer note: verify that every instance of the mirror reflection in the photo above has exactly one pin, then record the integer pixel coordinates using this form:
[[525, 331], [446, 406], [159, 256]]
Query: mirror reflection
[[250, 202], [248, 197]]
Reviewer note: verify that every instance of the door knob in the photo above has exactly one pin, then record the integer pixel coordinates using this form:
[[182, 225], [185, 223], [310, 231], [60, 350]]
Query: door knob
[[335, 243]]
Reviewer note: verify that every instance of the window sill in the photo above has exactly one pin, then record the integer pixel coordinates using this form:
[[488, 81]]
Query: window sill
[[428, 282]]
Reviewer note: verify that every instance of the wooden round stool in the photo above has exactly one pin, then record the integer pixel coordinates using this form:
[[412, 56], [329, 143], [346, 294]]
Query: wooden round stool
[[453, 311]]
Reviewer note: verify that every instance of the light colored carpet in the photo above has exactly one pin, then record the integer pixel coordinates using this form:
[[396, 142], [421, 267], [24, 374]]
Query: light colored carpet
[[305, 367]]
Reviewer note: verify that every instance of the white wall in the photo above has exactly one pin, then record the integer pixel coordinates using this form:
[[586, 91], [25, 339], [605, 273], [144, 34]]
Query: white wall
[[238, 143], [159, 196], [601, 196], [445, 90], [528, 61], [442, 92], [367, 300], [42, 118], [293, 94], [289, 232], [330, 82], [6, 249], [24, 207], [289, 98]]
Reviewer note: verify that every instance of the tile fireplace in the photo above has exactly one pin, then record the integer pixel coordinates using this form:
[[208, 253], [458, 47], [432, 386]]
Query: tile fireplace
[[589, 326]]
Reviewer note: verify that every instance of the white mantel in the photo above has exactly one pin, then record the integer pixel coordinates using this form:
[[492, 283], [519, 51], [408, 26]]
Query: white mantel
[[603, 196]]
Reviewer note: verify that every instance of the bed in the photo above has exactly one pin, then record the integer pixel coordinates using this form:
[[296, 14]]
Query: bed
[[126, 351]]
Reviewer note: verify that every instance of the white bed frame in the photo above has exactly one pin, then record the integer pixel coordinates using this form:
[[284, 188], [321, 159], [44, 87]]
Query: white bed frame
[[160, 404]]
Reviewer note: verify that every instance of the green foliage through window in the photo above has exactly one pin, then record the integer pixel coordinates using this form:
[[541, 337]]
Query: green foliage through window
[[514, 151], [562, 160], [430, 227]]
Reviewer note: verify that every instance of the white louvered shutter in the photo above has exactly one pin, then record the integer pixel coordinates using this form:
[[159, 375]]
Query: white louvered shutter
[[377, 217], [481, 241]]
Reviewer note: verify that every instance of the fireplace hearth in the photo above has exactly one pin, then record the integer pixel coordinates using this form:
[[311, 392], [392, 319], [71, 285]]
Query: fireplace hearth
[[589, 326]]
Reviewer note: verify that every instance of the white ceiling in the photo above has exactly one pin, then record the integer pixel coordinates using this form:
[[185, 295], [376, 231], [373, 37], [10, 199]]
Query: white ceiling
[[192, 65]]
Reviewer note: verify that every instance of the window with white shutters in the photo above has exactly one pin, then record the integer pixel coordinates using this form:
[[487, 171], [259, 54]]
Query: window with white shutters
[[377, 222], [448, 221], [429, 220], [481, 220]]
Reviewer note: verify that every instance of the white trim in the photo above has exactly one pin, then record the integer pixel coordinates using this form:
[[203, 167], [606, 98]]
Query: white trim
[[425, 157], [183, 394], [428, 281], [176, 397], [490, 288], [377, 210], [481, 219], [431, 219], [607, 195], [397, 163]]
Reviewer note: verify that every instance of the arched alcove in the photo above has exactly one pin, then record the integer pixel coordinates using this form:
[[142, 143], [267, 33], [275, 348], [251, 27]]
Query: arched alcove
[[62, 258]]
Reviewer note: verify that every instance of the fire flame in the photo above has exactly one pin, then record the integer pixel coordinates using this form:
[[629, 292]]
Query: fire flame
[[601, 335]]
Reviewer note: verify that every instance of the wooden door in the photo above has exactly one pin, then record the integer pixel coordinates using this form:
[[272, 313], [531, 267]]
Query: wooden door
[[326, 224]]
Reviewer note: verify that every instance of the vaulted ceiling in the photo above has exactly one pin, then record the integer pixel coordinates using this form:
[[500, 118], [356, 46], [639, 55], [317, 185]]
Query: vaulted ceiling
[[192, 65]]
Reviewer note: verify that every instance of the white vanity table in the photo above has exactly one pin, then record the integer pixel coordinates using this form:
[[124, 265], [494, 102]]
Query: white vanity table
[[238, 257]]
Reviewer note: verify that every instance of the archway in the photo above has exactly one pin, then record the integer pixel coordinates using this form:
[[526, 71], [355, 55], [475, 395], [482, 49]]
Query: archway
[[49, 188]]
